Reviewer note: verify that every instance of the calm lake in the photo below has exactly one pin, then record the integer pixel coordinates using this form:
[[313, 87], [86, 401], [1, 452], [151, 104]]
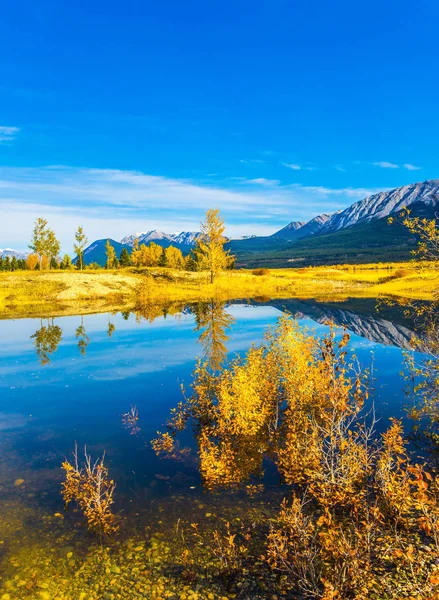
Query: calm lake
[[70, 379]]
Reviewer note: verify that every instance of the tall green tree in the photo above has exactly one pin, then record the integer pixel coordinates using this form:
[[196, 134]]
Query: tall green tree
[[210, 245], [44, 241], [162, 260], [66, 262], [125, 259], [111, 256], [79, 246]]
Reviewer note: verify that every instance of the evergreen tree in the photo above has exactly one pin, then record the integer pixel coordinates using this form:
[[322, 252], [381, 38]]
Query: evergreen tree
[[210, 245], [163, 262], [190, 263], [53, 263], [14, 264], [6, 263], [1, 263], [125, 259], [66, 262], [79, 246], [22, 264], [111, 256]]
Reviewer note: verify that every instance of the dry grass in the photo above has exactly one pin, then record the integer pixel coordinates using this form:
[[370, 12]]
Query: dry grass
[[35, 293], [25, 293]]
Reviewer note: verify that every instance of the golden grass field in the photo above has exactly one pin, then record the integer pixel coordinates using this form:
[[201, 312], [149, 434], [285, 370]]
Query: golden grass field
[[25, 293]]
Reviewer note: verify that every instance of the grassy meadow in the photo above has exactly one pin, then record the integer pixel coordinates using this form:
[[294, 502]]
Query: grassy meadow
[[26, 293]]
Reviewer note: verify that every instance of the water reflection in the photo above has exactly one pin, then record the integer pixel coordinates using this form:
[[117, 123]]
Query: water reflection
[[82, 337], [397, 325], [111, 327], [400, 325], [213, 320], [151, 352], [130, 420], [387, 324], [46, 340]]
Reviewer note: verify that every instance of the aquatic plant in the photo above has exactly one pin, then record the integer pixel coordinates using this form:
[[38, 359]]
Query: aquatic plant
[[361, 518], [130, 420], [227, 549], [88, 484], [422, 371]]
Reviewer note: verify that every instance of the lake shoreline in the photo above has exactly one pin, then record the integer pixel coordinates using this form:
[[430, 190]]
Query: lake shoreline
[[56, 293]]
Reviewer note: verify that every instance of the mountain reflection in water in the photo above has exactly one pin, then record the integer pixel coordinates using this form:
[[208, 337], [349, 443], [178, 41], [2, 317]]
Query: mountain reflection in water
[[386, 325]]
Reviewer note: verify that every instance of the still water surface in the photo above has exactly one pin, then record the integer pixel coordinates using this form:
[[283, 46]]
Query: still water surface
[[71, 379]]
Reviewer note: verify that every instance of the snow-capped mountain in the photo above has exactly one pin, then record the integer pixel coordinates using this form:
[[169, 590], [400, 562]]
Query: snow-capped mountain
[[377, 206], [384, 204], [183, 238], [187, 238], [10, 252], [129, 240]]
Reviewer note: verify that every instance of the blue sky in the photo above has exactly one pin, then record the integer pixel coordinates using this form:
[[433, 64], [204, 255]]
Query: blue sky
[[131, 116]]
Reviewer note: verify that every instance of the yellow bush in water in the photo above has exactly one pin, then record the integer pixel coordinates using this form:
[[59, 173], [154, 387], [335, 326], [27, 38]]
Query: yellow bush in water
[[91, 488], [361, 520]]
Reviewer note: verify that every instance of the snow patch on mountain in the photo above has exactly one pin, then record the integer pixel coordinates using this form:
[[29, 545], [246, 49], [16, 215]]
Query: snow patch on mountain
[[184, 238], [4, 252]]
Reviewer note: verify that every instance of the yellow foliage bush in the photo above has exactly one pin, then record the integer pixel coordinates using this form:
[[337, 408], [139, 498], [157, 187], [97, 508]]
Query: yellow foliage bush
[[91, 488], [361, 520]]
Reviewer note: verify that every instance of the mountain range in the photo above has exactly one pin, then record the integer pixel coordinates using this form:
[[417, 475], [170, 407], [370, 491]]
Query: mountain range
[[181, 238], [357, 234], [10, 252]]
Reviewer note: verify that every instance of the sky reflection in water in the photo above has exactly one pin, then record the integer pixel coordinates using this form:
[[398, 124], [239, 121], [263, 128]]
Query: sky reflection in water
[[83, 389]]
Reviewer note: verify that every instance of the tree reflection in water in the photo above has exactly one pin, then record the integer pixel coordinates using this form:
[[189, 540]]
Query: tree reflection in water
[[213, 320], [82, 337], [46, 340]]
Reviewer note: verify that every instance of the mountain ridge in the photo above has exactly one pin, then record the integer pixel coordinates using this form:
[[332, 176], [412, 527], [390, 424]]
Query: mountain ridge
[[358, 233], [181, 238]]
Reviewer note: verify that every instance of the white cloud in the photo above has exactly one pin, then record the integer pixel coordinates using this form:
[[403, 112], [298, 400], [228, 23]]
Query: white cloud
[[7, 134], [385, 165], [297, 167], [263, 181], [340, 168], [252, 160], [358, 193], [388, 165], [292, 166], [113, 203]]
